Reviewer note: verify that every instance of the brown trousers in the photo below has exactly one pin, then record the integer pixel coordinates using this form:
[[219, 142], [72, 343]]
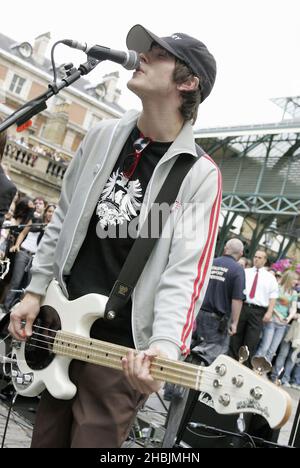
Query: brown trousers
[[99, 416]]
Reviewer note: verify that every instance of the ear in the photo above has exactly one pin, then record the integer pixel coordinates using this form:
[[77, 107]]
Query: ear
[[189, 85]]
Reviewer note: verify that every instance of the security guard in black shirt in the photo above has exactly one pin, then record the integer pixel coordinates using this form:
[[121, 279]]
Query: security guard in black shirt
[[219, 315]]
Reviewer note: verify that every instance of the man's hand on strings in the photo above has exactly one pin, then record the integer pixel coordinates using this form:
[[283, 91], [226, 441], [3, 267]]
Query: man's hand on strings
[[136, 367], [25, 312]]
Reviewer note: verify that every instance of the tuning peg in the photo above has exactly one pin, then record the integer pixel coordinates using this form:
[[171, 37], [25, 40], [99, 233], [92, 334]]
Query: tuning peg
[[243, 354], [224, 399], [261, 365], [239, 382]]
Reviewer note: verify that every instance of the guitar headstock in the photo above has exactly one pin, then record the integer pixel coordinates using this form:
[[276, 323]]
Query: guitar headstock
[[235, 388]]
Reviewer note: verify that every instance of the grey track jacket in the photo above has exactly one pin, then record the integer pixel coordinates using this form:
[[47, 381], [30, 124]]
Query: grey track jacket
[[172, 286]]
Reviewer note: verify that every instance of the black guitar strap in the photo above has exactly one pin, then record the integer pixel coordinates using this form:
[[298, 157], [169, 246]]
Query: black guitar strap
[[144, 243]]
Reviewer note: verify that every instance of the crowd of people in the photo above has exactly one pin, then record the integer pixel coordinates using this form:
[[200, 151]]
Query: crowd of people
[[21, 232], [253, 306], [246, 304], [249, 304], [22, 224]]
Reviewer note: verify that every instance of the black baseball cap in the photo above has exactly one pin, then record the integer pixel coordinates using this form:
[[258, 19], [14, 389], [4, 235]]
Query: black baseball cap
[[186, 48]]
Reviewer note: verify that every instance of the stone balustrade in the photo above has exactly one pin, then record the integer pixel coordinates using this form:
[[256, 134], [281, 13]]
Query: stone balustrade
[[35, 169]]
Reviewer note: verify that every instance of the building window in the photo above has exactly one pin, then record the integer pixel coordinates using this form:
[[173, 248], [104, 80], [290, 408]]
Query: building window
[[17, 84]]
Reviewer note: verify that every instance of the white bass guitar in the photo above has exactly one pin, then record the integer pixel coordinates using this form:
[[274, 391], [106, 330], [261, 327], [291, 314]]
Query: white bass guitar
[[61, 333]]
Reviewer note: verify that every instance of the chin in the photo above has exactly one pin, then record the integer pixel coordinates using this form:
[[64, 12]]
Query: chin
[[132, 85]]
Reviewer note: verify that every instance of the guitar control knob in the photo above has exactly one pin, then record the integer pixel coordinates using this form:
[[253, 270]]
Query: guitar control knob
[[256, 393], [238, 381], [28, 378], [221, 370], [224, 399]]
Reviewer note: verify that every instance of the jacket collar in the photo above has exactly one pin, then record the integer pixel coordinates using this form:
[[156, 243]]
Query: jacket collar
[[184, 142]]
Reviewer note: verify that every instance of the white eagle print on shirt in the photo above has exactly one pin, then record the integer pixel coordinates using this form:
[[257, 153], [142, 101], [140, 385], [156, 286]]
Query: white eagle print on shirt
[[119, 201]]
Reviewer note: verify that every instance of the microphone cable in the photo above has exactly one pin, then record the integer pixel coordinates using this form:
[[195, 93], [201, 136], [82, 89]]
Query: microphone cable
[[53, 61]]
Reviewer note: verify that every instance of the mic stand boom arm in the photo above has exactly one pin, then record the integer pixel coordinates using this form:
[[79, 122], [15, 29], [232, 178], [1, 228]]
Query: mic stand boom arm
[[38, 104]]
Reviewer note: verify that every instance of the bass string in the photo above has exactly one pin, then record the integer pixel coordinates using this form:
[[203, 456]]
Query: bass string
[[44, 328], [195, 370], [83, 347], [208, 375], [205, 378], [202, 382], [203, 369]]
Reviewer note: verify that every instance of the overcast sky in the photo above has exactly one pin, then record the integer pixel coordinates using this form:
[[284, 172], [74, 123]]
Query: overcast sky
[[256, 44]]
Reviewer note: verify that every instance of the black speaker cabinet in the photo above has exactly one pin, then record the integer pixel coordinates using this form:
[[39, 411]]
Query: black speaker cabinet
[[197, 410]]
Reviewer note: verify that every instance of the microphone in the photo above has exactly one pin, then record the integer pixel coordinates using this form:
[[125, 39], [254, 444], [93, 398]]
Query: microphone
[[128, 59]]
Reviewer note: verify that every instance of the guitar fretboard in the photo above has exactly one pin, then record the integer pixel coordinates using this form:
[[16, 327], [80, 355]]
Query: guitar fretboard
[[110, 355]]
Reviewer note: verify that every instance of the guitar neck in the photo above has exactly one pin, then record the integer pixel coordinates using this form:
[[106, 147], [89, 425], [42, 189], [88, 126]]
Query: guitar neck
[[110, 355]]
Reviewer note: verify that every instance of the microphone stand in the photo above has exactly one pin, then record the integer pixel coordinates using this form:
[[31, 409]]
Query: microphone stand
[[38, 104]]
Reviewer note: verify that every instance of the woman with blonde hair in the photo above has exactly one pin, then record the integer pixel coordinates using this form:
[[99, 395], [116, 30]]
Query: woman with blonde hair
[[284, 311]]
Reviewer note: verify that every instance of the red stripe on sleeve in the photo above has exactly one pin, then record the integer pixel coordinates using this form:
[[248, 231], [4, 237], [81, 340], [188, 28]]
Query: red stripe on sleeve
[[213, 225]]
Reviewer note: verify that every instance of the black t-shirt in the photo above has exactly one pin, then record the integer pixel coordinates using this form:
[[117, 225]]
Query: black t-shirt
[[101, 256], [227, 282]]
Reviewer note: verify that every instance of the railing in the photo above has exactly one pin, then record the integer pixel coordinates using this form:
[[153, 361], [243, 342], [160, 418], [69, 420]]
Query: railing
[[261, 204], [21, 154], [35, 164], [56, 169]]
